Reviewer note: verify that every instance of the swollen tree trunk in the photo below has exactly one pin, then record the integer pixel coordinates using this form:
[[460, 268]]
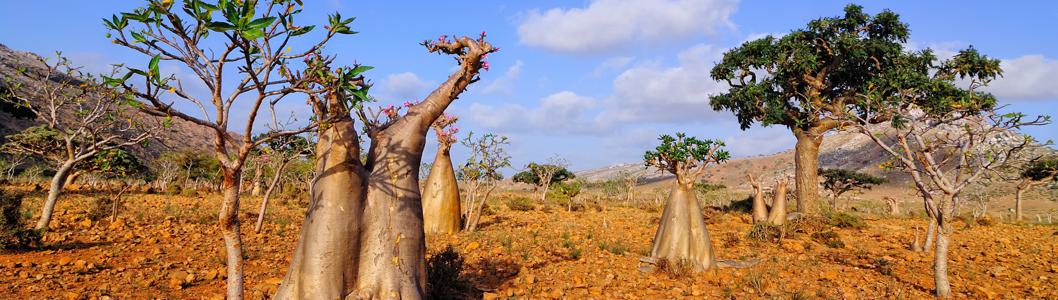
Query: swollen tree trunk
[[894, 206], [440, 202], [1018, 196], [324, 265], [268, 194], [682, 236], [255, 186], [392, 257], [57, 183], [806, 163], [777, 216], [760, 210], [229, 228]]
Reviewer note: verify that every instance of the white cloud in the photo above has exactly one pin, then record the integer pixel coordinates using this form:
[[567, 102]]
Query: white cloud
[[651, 93], [404, 86], [606, 25], [613, 63], [1029, 77], [505, 84], [558, 112]]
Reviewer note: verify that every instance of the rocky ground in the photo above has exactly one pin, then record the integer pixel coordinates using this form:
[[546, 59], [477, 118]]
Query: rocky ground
[[168, 247]]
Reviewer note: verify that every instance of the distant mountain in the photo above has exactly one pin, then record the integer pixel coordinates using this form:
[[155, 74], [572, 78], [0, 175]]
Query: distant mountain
[[182, 135]]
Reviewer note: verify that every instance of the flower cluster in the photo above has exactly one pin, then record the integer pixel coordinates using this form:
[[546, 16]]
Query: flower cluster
[[445, 130]]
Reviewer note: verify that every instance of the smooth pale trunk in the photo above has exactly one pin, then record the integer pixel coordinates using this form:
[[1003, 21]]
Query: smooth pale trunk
[[940, 257], [440, 203], [760, 210], [778, 205], [268, 195], [324, 264], [681, 235], [1018, 196], [255, 186], [806, 169], [393, 245], [57, 183], [229, 228]]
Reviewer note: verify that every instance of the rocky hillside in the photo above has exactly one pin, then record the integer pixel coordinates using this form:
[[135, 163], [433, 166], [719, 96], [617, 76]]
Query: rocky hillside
[[846, 150], [181, 136]]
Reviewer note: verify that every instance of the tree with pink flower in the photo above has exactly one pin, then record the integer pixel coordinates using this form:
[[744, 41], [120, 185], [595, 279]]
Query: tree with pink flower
[[440, 202]]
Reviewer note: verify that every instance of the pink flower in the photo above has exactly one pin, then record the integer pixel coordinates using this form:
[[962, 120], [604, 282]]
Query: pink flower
[[482, 33], [442, 38], [407, 104], [485, 65]]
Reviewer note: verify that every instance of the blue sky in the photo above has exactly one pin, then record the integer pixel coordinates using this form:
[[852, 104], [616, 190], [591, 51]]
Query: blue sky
[[593, 81]]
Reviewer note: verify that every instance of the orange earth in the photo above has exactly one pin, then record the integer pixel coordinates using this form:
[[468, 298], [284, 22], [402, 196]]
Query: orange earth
[[168, 247]]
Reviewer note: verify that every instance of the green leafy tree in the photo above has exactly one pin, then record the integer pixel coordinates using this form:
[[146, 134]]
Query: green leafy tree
[[945, 133], [80, 116], [841, 181], [807, 80], [242, 53], [544, 175], [1034, 173]]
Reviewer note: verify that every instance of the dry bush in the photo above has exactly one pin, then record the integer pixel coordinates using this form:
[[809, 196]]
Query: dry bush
[[829, 238], [12, 233], [843, 220], [103, 207], [765, 232], [520, 204], [682, 268], [443, 276]]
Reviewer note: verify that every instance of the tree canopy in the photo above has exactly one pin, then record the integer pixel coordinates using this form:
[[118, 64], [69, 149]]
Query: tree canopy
[[530, 176], [811, 76], [840, 181], [685, 157]]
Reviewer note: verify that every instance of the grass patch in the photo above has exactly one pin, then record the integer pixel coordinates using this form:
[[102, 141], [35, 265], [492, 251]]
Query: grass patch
[[520, 204]]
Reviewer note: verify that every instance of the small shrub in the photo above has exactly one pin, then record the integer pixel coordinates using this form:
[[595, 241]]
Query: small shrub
[[616, 247], [103, 207], [986, 220], [173, 189], [766, 232], [884, 267], [829, 238], [12, 234], [443, 280], [520, 204], [675, 269], [744, 205], [844, 220]]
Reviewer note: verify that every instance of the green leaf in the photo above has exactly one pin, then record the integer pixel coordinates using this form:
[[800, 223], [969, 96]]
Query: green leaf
[[153, 66], [260, 23], [220, 26], [360, 69], [302, 30], [252, 34]]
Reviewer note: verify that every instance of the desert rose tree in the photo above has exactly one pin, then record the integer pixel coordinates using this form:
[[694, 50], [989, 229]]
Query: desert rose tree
[[282, 151], [241, 54], [806, 80], [440, 200], [363, 235], [682, 237], [946, 134], [481, 173], [80, 115]]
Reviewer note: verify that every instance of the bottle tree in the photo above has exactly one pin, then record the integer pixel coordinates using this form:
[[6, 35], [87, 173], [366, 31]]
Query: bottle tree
[[945, 133], [682, 237], [440, 201], [242, 54], [363, 232], [806, 80]]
